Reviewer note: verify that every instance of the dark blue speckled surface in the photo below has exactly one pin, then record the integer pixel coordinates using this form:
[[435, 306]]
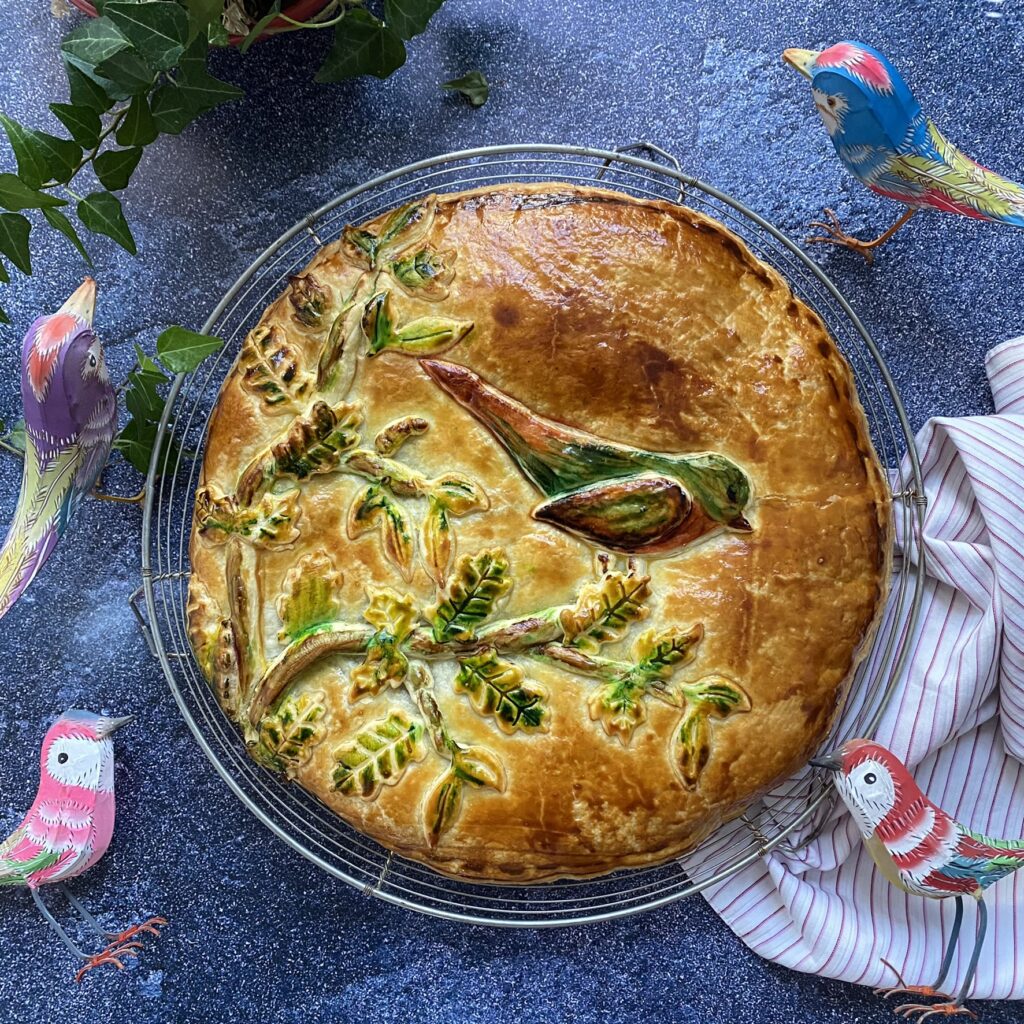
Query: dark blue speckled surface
[[256, 932]]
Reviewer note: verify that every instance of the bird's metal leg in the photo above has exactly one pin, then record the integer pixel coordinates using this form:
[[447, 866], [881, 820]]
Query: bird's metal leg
[[131, 499], [52, 922], [930, 991], [85, 915], [953, 1007], [835, 235]]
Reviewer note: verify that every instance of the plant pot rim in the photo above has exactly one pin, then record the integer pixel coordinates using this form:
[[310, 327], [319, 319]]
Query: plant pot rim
[[300, 10]]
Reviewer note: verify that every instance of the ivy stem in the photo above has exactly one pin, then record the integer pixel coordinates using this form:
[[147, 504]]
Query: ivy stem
[[116, 117], [10, 448]]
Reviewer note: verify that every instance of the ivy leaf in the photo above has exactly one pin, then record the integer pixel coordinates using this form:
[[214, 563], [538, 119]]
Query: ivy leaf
[[142, 399], [287, 736], [4, 318], [378, 755], [128, 71], [410, 17], [101, 213], [199, 89], [41, 156], [271, 523], [605, 610], [362, 46], [442, 806], [181, 350], [310, 595], [158, 30], [136, 443], [203, 14], [496, 688], [16, 195], [138, 127], [478, 584], [85, 91], [272, 368], [95, 41], [15, 438], [474, 86], [114, 167], [14, 231], [148, 368], [57, 220], [82, 122], [171, 111]]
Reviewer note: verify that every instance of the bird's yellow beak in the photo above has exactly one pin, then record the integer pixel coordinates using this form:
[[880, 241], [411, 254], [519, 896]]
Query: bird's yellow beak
[[82, 303], [801, 60]]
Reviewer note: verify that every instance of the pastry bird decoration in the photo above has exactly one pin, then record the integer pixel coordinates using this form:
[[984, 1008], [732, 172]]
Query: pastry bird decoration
[[920, 849], [887, 143], [69, 826], [625, 499], [70, 422]]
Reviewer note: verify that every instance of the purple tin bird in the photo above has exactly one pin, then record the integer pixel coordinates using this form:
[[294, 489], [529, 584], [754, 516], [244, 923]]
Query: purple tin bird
[[70, 423], [885, 140]]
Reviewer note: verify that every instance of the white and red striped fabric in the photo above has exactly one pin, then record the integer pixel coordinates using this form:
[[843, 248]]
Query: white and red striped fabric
[[957, 720]]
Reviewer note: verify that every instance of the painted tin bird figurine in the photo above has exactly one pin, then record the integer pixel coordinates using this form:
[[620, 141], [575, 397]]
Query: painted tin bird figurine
[[621, 498], [920, 849], [883, 138], [70, 422], [69, 826]]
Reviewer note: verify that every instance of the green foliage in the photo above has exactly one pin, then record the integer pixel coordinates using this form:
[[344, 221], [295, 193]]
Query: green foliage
[[605, 610], [310, 596], [363, 45], [181, 350], [288, 735], [474, 86], [101, 213]]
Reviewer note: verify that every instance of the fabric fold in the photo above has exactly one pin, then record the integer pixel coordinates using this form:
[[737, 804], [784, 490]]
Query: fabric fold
[[956, 719]]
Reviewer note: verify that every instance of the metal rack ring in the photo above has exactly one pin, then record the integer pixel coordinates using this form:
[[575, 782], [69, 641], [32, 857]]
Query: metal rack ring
[[786, 818]]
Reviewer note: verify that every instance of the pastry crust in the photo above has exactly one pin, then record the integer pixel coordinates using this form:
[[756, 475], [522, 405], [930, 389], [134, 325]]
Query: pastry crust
[[646, 324]]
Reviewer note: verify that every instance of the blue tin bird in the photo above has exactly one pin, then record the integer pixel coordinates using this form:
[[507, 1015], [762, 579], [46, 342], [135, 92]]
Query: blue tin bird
[[887, 143]]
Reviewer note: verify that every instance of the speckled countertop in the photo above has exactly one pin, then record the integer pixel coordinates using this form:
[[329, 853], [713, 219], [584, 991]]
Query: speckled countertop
[[256, 932]]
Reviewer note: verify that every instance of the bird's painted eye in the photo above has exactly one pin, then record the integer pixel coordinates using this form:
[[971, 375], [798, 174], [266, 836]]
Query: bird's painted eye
[[870, 779], [831, 101], [62, 758], [92, 360]]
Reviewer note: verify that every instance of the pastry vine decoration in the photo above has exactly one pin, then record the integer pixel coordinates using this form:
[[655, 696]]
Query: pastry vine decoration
[[621, 498]]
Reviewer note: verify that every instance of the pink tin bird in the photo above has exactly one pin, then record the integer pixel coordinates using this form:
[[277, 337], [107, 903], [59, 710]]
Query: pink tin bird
[[69, 825], [920, 849]]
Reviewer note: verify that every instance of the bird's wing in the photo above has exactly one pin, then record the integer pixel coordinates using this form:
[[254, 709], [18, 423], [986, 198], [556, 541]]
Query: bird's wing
[[20, 856], [95, 440], [865, 162], [978, 861], [942, 177]]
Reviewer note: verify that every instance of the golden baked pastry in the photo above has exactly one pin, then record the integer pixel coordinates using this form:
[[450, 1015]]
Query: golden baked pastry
[[539, 531]]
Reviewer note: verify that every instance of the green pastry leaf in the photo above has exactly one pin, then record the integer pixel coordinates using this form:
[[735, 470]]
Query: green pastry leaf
[[378, 755]]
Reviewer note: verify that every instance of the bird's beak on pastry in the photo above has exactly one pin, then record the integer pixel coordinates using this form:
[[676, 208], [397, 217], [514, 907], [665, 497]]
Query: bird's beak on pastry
[[801, 60], [833, 761], [82, 303], [741, 524], [108, 726]]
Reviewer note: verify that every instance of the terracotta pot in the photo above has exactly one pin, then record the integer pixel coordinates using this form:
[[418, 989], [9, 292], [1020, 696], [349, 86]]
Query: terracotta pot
[[301, 10]]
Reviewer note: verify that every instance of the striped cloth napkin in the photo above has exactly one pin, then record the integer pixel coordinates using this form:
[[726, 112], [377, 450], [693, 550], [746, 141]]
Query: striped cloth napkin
[[957, 720]]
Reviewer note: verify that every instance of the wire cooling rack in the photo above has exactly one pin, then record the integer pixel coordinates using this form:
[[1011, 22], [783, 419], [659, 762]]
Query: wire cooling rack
[[784, 819]]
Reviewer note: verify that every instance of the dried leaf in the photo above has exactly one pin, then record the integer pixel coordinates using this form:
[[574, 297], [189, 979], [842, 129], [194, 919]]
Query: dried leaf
[[425, 274], [271, 368], [272, 523], [378, 755], [497, 688], [372, 507], [605, 610], [310, 596], [442, 806], [313, 444], [479, 583], [479, 766], [619, 707], [288, 735], [691, 747]]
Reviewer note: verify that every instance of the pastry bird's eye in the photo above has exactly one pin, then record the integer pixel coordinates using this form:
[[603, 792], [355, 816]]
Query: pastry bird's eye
[[870, 779], [62, 757]]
